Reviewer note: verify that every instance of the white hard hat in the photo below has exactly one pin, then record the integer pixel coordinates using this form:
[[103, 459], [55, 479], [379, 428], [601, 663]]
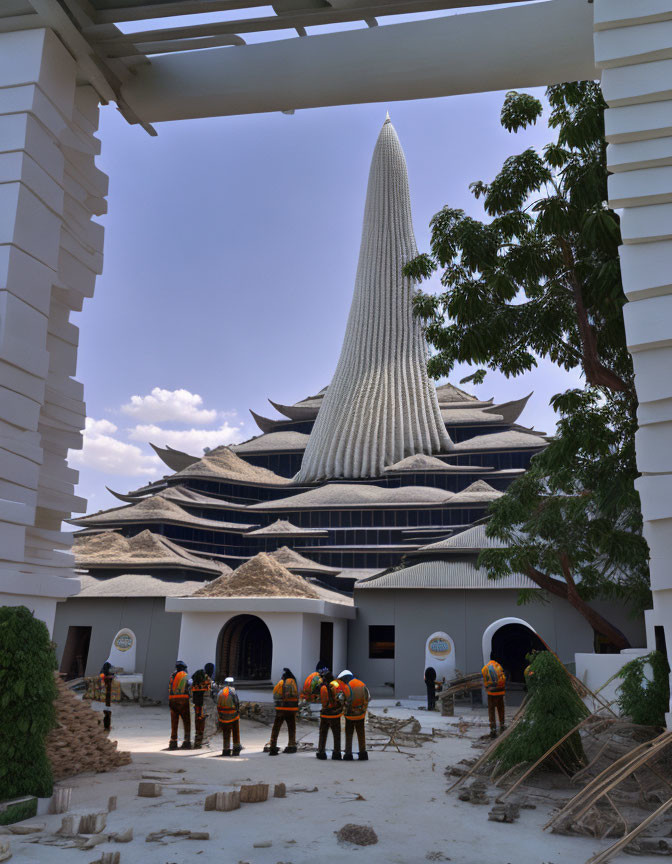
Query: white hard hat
[[228, 680], [344, 673]]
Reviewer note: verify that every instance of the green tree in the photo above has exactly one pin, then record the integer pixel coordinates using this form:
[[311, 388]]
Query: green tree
[[644, 697], [27, 694], [541, 279], [553, 709]]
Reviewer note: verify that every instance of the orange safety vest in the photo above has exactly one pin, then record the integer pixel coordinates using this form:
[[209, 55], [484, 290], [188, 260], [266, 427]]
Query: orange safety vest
[[178, 687], [494, 678], [311, 687], [286, 695], [227, 705], [357, 700], [331, 696]]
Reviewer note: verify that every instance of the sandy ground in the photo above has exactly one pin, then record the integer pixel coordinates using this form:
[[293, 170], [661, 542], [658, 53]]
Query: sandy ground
[[404, 796]]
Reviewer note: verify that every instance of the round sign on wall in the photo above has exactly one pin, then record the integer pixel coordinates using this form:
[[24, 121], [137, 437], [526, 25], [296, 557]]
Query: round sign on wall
[[440, 647], [123, 642]]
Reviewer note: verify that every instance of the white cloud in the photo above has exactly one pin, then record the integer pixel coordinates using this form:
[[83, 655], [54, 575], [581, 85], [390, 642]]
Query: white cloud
[[190, 440], [178, 406], [103, 452]]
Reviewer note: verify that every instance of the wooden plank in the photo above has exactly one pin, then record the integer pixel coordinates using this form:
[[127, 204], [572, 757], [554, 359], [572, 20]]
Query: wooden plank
[[303, 18], [607, 854]]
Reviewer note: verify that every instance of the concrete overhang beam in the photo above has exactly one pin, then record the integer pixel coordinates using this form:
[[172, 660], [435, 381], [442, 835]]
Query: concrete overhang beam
[[519, 46]]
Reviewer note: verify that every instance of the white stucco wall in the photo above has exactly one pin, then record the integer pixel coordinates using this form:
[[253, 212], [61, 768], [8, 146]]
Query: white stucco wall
[[295, 635], [594, 670], [43, 608]]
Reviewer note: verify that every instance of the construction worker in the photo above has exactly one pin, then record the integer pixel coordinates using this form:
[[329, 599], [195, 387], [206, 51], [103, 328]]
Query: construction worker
[[286, 698], [331, 697], [494, 681], [209, 670], [178, 699], [202, 684], [357, 699], [228, 712], [313, 683]]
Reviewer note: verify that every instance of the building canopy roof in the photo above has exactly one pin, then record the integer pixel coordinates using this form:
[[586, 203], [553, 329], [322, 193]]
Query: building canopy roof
[[444, 575], [135, 585], [357, 495], [271, 441], [223, 464], [512, 439], [283, 528], [295, 562], [157, 508], [261, 576], [471, 540], [476, 492], [109, 549]]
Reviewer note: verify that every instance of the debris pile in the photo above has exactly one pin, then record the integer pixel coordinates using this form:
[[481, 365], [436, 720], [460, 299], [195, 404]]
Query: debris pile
[[360, 835], [79, 743]]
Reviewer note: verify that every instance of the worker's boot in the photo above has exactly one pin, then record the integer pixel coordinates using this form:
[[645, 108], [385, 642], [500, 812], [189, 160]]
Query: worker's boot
[[336, 755], [493, 733], [273, 750], [172, 745], [501, 729], [226, 752], [198, 743], [186, 745], [320, 754], [348, 757], [236, 749], [290, 748], [363, 756]]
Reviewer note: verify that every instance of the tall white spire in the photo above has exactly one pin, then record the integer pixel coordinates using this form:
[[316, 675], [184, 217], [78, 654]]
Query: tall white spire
[[380, 406]]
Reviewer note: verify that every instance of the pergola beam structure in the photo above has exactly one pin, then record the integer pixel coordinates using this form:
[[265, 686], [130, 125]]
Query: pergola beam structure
[[470, 53]]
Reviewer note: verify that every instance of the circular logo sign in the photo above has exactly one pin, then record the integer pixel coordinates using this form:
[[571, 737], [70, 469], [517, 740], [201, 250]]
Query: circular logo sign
[[123, 642], [439, 647]]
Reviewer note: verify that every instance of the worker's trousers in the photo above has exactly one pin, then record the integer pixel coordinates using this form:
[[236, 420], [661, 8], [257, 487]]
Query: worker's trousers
[[496, 703], [231, 730], [288, 717], [179, 708], [199, 723], [358, 727], [327, 723]]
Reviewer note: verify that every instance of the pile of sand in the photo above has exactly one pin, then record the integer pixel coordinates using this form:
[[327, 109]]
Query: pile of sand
[[223, 462], [261, 576], [79, 743]]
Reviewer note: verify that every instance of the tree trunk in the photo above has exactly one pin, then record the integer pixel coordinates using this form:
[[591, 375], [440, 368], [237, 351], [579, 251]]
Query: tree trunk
[[595, 371], [570, 594]]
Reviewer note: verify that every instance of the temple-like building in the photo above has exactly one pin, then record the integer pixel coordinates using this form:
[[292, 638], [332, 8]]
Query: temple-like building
[[376, 470]]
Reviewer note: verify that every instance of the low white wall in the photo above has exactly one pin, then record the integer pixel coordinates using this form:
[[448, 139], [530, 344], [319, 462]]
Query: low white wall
[[594, 670], [43, 608]]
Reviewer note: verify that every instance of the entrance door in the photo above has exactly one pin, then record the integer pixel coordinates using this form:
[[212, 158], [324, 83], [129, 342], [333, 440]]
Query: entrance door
[[327, 644], [76, 652], [511, 644], [244, 649]]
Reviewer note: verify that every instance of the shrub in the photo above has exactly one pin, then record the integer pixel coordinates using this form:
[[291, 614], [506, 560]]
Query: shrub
[[27, 694], [553, 708], [642, 698]]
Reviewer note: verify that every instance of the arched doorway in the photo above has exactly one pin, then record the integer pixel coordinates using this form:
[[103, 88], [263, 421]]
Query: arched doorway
[[244, 649], [511, 642]]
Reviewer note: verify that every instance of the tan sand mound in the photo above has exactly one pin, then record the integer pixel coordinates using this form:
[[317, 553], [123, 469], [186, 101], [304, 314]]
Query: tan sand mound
[[261, 576]]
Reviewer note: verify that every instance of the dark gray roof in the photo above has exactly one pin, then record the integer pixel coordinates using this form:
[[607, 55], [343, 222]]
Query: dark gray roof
[[443, 575]]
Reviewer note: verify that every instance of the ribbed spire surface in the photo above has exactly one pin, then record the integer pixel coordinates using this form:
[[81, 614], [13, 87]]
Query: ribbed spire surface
[[380, 406]]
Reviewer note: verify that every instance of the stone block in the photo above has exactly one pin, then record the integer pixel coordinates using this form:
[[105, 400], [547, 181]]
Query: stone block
[[111, 803], [149, 790], [60, 800], [92, 823], [279, 790], [223, 801], [254, 793], [5, 849]]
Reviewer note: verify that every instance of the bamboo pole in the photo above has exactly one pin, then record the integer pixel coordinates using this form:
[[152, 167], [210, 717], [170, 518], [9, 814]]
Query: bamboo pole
[[606, 854]]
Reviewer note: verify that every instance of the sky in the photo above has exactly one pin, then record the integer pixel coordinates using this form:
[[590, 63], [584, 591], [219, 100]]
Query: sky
[[231, 247]]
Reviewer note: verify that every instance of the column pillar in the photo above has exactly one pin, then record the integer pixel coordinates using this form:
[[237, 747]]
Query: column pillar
[[633, 47], [50, 253]]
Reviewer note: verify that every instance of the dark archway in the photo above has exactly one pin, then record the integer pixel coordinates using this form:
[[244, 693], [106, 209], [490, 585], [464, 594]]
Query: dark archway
[[511, 644], [244, 649]]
